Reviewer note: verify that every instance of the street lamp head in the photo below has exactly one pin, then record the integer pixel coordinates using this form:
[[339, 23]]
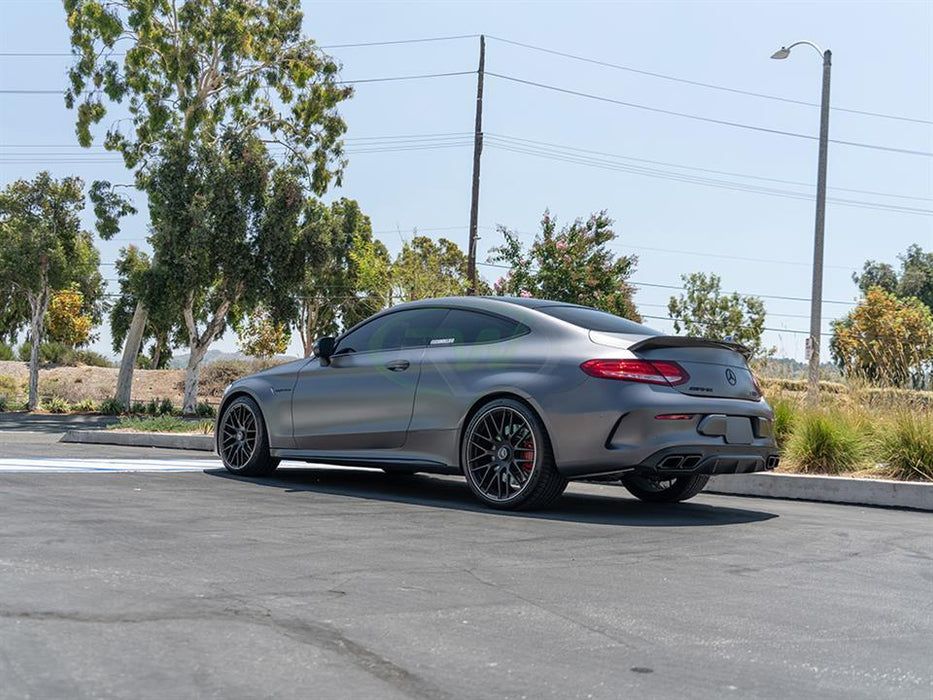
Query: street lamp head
[[781, 53]]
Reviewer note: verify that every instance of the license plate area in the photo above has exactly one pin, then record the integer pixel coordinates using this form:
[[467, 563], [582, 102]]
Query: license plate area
[[737, 430]]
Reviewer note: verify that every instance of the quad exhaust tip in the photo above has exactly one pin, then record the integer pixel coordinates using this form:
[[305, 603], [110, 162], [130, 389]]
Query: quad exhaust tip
[[680, 461]]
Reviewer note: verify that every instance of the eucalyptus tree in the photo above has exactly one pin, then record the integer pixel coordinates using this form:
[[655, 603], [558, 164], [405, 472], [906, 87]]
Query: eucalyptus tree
[[228, 235], [346, 272], [200, 77], [43, 248], [426, 268], [132, 269]]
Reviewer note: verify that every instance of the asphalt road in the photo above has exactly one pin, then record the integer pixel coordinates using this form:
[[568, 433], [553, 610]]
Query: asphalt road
[[326, 583]]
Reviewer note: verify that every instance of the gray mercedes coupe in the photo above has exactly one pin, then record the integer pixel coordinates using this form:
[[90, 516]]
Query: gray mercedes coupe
[[518, 395]]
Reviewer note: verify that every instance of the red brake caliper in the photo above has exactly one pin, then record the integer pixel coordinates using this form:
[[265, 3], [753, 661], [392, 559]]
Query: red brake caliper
[[527, 455]]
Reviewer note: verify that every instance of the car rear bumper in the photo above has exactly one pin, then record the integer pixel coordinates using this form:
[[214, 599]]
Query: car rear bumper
[[685, 460], [628, 428]]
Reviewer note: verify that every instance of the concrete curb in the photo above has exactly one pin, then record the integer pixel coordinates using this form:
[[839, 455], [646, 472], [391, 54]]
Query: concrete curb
[[202, 443], [828, 489]]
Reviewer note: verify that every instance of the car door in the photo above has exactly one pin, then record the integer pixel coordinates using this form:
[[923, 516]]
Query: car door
[[469, 354], [363, 399]]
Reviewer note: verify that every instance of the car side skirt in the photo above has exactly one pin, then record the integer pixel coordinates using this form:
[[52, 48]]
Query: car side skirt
[[380, 460]]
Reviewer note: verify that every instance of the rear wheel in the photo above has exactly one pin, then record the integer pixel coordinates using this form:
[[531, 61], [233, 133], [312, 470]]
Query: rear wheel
[[243, 442], [507, 458], [656, 490]]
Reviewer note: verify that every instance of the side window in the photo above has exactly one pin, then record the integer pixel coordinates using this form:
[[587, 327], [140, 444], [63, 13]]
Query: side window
[[402, 329], [463, 327]]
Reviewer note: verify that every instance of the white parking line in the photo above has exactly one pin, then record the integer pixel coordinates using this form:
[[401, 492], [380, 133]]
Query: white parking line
[[51, 464]]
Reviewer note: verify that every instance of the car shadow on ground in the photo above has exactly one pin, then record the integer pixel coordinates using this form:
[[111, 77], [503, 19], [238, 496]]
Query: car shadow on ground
[[613, 508]]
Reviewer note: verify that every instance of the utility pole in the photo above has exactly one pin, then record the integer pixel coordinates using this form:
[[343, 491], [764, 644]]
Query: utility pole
[[816, 296], [816, 293], [477, 152]]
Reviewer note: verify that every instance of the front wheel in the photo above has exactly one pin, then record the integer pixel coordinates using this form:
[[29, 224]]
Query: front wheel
[[507, 458], [655, 490], [243, 443]]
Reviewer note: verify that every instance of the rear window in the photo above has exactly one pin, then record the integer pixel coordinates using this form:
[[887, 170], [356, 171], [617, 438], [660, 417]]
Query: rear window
[[594, 320]]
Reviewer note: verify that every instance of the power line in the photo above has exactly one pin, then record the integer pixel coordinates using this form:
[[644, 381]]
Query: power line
[[682, 320], [698, 253], [404, 77], [363, 44], [99, 158], [698, 169], [684, 177], [358, 81], [698, 83], [769, 313], [742, 294], [385, 137], [606, 64], [544, 146], [710, 120]]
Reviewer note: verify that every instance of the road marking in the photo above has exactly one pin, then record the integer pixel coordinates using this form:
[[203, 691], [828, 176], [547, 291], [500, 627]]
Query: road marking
[[51, 464]]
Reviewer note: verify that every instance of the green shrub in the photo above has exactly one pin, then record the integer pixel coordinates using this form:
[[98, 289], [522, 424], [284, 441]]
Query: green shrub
[[784, 415], [54, 353], [152, 408], [111, 407], [49, 353], [205, 410], [9, 388], [6, 353], [3, 404], [905, 445], [57, 404], [825, 443], [138, 407], [166, 407], [88, 357], [165, 424], [85, 406]]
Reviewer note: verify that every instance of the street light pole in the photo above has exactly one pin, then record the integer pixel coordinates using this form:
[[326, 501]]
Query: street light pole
[[816, 293]]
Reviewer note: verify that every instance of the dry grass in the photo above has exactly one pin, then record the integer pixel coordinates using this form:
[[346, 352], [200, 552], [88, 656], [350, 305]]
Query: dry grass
[[862, 431]]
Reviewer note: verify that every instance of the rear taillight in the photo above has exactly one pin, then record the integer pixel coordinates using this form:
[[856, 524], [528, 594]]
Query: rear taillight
[[647, 372]]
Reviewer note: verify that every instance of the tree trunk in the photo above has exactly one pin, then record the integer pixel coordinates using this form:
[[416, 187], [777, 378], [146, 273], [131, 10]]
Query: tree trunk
[[134, 339], [198, 345], [156, 353], [35, 335], [192, 373], [38, 305]]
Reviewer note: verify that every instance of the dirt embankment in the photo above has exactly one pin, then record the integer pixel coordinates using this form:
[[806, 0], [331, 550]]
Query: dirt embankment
[[76, 384]]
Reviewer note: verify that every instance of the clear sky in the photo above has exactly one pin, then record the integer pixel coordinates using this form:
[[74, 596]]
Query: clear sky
[[676, 217]]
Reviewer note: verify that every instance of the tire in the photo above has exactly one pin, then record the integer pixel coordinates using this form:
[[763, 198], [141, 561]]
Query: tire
[[651, 490], [243, 442], [507, 459]]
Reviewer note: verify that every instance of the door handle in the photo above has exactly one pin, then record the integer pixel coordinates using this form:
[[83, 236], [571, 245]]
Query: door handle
[[398, 365]]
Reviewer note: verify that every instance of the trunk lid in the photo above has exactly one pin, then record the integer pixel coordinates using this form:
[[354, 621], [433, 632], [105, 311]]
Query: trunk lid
[[717, 368]]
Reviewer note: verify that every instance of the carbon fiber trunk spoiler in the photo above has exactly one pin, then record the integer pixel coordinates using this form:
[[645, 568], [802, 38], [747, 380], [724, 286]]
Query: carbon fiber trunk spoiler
[[680, 341]]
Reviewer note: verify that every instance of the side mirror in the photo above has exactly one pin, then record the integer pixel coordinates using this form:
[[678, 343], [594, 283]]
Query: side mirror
[[323, 348]]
